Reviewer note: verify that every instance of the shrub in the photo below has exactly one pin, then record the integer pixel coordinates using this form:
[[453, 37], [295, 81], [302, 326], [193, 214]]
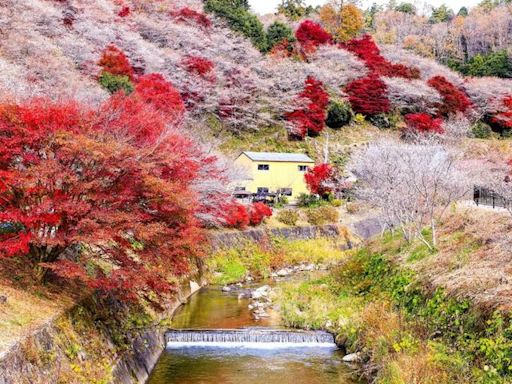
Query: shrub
[[366, 49], [368, 96], [503, 119], [319, 179], [322, 215], [380, 121], [338, 114], [497, 64], [238, 17], [311, 119], [454, 100], [115, 83], [277, 33], [236, 216], [311, 33], [423, 123], [200, 66], [114, 61], [258, 212], [288, 216], [481, 130], [305, 200], [188, 14], [124, 12]]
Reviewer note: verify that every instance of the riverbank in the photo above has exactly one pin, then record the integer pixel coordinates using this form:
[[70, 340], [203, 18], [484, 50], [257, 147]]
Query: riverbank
[[405, 313]]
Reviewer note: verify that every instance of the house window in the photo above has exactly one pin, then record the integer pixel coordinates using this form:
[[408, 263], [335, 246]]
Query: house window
[[263, 167], [303, 168], [286, 191], [262, 190]]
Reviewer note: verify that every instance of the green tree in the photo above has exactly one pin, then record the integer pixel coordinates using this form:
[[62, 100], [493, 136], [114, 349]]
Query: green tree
[[114, 83], [278, 32], [294, 9], [406, 8], [236, 13], [463, 12], [369, 15], [441, 14]]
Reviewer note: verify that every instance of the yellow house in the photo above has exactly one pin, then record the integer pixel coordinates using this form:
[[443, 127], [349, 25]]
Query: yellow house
[[270, 172]]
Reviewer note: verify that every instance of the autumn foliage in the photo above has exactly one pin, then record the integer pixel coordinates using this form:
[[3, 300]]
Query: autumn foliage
[[454, 100], [504, 118], [258, 212], [200, 66], [366, 49], [187, 14], [368, 96], [318, 179], [70, 175], [310, 32], [423, 123], [124, 12], [311, 118], [114, 61]]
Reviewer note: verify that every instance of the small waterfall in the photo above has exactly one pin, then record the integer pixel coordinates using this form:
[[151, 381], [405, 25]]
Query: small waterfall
[[248, 338]]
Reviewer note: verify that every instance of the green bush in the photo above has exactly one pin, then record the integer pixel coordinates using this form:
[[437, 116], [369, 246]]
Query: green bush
[[493, 64], [239, 19], [114, 83], [305, 200], [481, 130], [278, 32], [288, 216], [339, 114], [380, 121], [322, 215]]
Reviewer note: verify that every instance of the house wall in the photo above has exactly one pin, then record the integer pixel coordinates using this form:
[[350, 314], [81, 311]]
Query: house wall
[[280, 175]]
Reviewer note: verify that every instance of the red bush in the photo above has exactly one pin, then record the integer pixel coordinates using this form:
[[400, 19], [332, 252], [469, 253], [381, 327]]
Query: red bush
[[368, 96], [258, 212], [236, 216], [114, 61], [423, 123], [125, 11], [318, 177], [310, 32], [311, 119], [188, 14], [504, 118], [454, 100], [200, 66], [366, 49]]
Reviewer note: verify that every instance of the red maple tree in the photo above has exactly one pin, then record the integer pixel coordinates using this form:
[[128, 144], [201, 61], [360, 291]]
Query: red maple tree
[[114, 61], [503, 119], [366, 49], [311, 118], [258, 212], [236, 216], [454, 100], [186, 14], [368, 95], [70, 182], [423, 123], [200, 66], [318, 179]]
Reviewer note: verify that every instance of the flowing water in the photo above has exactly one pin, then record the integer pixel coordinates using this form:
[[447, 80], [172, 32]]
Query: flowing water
[[203, 355]]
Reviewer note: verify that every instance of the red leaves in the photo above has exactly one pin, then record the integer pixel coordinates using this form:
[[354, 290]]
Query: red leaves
[[504, 118], [258, 212], [454, 100], [133, 199], [124, 12], [187, 14], [115, 62], [317, 179], [368, 96], [423, 123], [311, 118], [312, 33], [236, 216], [366, 49], [200, 66]]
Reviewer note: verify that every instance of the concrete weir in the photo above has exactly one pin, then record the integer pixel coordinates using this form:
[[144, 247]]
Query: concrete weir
[[248, 337]]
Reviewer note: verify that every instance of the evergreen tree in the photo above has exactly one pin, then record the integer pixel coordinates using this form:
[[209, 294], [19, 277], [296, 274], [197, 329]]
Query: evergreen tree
[[278, 32]]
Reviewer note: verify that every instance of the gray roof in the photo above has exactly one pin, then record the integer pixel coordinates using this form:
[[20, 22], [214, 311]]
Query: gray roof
[[274, 156]]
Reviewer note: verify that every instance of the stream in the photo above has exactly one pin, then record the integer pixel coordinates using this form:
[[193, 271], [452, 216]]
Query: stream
[[211, 308]]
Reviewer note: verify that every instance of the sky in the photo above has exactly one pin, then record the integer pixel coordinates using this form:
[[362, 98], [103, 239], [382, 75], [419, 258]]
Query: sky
[[268, 6]]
